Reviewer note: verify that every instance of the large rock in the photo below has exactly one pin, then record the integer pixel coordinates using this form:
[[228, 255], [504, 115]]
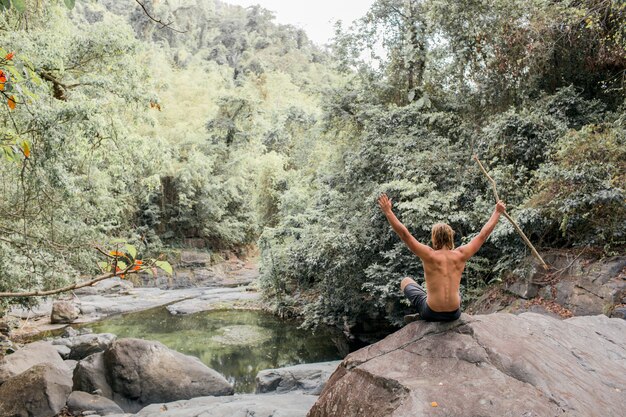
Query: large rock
[[85, 344], [147, 372], [41, 391], [279, 405], [309, 378], [64, 312], [495, 365], [79, 402], [28, 356], [90, 376]]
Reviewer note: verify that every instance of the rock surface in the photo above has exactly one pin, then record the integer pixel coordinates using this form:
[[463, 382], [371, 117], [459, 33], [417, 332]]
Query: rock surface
[[90, 376], [109, 286], [194, 258], [147, 372], [217, 299], [136, 299], [576, 285], [64, 312], [40, 391], [80, 402], [279, 405], [494, 365], [309, 378], [28, 356], [84, 345]]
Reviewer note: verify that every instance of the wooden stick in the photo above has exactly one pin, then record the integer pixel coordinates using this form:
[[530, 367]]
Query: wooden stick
[[64, 289], [517, 228]]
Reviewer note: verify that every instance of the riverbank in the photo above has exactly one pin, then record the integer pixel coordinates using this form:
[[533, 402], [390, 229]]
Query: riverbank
[[197, 285]]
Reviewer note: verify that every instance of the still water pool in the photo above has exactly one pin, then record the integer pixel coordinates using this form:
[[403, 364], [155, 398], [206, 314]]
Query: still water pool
[[236, 343]]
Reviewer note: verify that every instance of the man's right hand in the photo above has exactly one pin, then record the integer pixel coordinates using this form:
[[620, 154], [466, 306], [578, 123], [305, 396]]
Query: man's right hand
[[500, 207]]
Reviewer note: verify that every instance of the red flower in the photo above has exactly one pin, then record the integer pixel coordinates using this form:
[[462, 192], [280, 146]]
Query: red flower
[[9, 56]]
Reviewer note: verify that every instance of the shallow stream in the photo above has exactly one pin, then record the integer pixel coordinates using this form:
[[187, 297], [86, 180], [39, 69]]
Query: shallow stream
[[236, 343]]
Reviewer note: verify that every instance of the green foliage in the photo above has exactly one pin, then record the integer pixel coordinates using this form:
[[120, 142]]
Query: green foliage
[[509, 80], [243, 131], [581, 190], [125, 130], [73, 184]]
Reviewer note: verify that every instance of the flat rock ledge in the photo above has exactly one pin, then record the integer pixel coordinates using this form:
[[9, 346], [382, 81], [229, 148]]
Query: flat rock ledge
[[263, 405], [496, 365]]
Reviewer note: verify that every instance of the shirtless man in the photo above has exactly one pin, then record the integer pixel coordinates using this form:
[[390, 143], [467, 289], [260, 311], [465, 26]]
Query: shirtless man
[[443, 265]]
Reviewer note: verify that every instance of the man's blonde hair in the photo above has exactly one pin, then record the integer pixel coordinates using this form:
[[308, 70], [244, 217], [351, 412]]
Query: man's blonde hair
[[443, 236]]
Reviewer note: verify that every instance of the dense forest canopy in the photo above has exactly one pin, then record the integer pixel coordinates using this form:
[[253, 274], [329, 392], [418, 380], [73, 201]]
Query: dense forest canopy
[[239, 131]]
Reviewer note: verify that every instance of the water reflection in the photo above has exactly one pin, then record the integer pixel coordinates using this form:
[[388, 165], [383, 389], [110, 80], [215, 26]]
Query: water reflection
[[236, 343]]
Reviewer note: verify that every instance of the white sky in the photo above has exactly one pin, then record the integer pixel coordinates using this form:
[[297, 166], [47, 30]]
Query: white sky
[[316, 17]]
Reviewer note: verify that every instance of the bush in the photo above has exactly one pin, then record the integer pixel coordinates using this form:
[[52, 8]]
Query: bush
[[581, 189]]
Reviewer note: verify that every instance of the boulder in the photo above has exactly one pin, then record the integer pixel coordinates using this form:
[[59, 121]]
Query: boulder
[[309, 378], [69, 332], [40, 391], [64, 312], [70, 364], [523, 289], [90, 376], [8, 324], [6, 345], [279, 405], [63, 350], [494, 365], [80, 402], [619, 312], [84, 345], [147, 372], [28, 356]]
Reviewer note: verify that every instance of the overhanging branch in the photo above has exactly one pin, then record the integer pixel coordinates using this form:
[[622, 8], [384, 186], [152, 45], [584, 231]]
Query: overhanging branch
[[67, 288]]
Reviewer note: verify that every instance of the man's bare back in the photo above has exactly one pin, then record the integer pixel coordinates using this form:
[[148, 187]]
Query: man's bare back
[[442, 271], [444, 266]]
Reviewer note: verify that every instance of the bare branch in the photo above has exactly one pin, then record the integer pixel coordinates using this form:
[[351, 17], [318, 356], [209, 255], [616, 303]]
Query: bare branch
[[159, 21]]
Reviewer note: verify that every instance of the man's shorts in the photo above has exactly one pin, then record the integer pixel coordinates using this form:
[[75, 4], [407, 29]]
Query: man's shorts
[[417, 297]]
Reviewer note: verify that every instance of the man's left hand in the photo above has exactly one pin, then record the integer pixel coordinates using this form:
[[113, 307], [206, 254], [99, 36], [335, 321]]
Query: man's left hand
[[385, 203]]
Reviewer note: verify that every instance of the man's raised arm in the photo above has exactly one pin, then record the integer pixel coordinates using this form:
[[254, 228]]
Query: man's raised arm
[[471, 248], [417, 248]]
